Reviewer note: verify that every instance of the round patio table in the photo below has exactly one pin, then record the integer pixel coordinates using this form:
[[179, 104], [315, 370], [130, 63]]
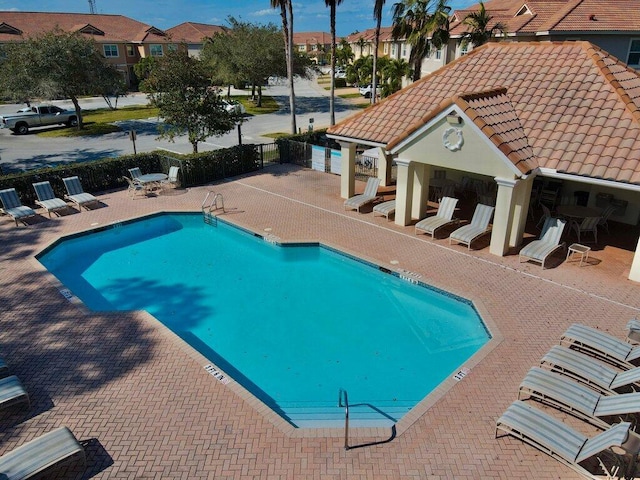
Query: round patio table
[[577, 211], [152, 177]]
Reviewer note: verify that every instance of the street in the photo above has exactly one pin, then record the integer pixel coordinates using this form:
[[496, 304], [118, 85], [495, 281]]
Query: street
[[26, 152]]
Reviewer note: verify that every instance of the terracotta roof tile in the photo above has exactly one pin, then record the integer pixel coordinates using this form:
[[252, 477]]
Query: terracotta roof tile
[[192, 32], [556, 90]]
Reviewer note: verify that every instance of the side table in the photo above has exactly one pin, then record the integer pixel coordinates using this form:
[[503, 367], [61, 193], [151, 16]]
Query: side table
[[582, 250]]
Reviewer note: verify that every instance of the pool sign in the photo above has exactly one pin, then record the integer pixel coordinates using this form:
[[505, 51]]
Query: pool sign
[[461, 374], [217, 374]]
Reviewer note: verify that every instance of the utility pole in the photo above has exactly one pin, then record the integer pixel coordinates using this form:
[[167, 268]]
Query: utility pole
[[92, 6]]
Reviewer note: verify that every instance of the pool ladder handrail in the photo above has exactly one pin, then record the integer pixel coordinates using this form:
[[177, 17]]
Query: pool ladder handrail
[[343, 394], [209, 208]]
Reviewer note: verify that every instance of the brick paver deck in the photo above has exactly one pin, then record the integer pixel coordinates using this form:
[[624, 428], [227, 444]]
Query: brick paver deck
[[145, 407]]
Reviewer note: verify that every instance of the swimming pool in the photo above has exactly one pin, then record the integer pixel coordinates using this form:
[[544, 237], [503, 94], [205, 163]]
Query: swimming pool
[[292, 324]]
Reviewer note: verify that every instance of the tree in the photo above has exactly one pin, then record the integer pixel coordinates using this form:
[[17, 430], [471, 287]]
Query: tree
[[377, 16], [361, 44], [246, 52], [421, 23], [393, 72], [333, 4], [179, 86], [344, 54], [478, 31], [57, 64], [286, 13]]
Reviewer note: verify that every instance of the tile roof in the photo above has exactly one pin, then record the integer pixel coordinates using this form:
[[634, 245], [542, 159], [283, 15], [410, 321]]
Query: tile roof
[[538, 16], [578, 107], [107, 28], [192, 32], [313, 38]]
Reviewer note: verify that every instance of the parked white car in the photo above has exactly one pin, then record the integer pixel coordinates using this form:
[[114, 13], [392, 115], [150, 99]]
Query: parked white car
[[340, 73], [366, 90], [232, 107]]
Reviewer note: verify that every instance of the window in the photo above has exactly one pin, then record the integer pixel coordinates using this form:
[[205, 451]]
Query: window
[[386, 48], [404, 50], [302, 48], [130, 51], [314, 48], [110, 51], [156, 50], [394, 50], [439, 54], [634, 52], [172, 47], [464, 49]]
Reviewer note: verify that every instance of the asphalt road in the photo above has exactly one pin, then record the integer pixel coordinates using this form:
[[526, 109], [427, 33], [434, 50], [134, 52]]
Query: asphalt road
[[26, 152]]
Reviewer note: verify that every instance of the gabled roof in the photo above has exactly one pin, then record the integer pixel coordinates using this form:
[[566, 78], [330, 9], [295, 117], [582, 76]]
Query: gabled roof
[[312, 38], [556, 16], [103, 28], [369, 35], [192, 32], [578, 107]]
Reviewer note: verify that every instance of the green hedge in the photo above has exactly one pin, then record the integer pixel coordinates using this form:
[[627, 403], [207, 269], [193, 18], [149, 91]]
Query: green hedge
[[101, 175]]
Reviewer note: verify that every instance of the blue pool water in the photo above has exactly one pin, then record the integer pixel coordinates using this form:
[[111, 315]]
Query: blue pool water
[[292, 324]]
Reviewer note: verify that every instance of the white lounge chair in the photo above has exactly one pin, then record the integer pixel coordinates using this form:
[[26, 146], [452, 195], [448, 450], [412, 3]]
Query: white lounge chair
[[47, 199], [443, 217], [172, 177], [479, 226], [590, 371], [602, 345], [385, 208], [12, 206], [577, 399], [369, 195], [549, 241], [12, 392], [76, 194], [43, 454], [562, 442]]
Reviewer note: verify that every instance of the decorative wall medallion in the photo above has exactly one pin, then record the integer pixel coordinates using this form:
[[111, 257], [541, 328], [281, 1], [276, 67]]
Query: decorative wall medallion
[[452, 139]]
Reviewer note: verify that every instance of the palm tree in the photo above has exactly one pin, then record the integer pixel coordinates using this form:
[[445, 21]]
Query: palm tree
[[377, 16], [332, 4], [286, 13], [394, 71], [361, 43], [478, 31], [421, 23]]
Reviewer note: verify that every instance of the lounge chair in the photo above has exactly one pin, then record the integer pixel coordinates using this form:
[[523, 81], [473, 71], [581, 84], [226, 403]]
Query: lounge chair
[[46, 452], [577, 399], [370, 195], [12, 206], [76, 194], [443, 217], [4, 368], [12, 392], [539, 250], [479, 226], [588, 370], [562, 442], [385, 208], [47, 199], [633, 326], [134, 186], [601, 345]]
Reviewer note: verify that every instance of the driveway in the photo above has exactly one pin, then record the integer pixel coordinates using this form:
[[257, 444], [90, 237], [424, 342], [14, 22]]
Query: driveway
[[31, 151]]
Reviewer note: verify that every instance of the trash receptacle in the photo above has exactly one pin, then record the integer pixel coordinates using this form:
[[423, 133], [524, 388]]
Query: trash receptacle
[[581, 198]]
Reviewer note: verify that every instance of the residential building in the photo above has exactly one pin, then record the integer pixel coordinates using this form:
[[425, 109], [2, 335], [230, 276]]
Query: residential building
[[121, 40], [316, 45], [193, 35], [510, 116]]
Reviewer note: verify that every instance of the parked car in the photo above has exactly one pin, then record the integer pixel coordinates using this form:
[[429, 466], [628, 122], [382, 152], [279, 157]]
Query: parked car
[[39, 116], [366, 90], [231, 107], [340, 73]]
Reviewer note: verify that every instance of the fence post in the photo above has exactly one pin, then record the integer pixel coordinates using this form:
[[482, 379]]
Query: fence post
[[261, 156]]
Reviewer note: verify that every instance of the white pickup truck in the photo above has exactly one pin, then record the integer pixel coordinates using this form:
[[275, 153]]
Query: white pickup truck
[[39, 116]]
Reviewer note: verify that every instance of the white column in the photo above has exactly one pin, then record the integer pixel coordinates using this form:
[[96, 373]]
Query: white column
[[404, 192], [634, 274], [520, 211], [502, 217], [421, 173], [384, 167], [348, 169]]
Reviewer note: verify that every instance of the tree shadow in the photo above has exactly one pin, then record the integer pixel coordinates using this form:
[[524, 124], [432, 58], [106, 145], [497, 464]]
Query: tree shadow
[[55, 159]]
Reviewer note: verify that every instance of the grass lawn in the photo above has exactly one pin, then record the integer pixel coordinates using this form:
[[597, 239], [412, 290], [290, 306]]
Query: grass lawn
[[269, 105], [351, 95]]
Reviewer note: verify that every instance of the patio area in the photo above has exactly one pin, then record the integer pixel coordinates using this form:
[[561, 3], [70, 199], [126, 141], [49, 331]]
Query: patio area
[[144, 406]]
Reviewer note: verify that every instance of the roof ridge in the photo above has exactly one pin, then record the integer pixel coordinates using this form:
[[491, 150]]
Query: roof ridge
[[595, 52], [560, 15]]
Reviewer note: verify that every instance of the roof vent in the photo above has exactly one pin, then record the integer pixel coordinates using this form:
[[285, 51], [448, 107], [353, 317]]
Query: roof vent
[[593, 18]]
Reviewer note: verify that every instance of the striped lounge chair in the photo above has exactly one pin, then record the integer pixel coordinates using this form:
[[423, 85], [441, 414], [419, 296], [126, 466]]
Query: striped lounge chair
[[12, 206], [385, 208], [443, 217], [562, 442], [47, 199], [588, 370], [549, 241], [76, 194], [601, 345], [577, 399], [12, 392], [369, 195], [43, 454], [479, 226]]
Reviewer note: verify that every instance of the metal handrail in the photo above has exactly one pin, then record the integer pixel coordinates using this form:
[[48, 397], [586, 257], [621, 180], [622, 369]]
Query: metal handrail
[[214, 203], [343, 393]]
